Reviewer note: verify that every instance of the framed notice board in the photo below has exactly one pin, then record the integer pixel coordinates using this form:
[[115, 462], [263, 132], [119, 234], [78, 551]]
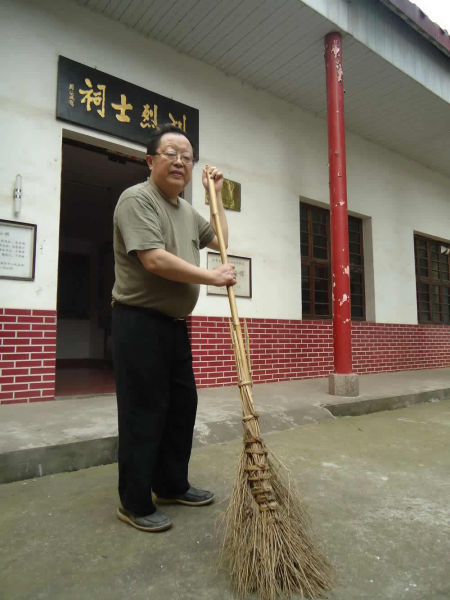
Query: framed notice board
[[243, 286], [17, 250]]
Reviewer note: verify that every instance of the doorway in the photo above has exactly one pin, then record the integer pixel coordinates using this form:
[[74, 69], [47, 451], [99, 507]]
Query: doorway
[[92, 180]]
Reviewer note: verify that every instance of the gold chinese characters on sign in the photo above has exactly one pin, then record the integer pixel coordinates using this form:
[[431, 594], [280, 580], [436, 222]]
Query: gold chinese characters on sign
[[97, 96], [90, 97], [149, 116], [100, 101]]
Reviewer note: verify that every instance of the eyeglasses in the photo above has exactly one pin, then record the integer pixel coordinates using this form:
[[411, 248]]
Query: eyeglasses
[[186, 159]]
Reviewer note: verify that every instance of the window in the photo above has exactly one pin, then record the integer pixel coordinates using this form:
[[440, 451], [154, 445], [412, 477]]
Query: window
[[432, 280], [316, 264], [355, 241]]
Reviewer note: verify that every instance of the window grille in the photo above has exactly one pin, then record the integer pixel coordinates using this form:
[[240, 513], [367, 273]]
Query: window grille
[[316, 264], [432, 280]]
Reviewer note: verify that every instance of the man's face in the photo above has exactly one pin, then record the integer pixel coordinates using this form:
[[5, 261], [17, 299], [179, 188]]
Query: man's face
[[168, 172]]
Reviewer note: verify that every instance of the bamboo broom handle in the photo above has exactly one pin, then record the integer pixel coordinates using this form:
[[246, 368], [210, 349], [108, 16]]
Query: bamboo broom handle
[[224, 257]]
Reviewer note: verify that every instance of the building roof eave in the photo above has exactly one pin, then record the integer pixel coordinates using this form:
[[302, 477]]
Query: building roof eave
[[419, 21]]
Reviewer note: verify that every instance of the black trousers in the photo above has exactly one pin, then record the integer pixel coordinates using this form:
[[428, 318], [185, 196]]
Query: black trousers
[[157, 404]]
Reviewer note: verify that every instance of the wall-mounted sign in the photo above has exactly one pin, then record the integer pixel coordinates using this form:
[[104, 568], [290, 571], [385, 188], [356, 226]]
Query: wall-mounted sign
[[100, 101], [17, 250], [243, 286], [231, 195]]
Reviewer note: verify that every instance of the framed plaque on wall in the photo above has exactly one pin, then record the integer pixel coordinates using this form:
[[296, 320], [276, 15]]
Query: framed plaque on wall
[[17, 250], [243, 287]]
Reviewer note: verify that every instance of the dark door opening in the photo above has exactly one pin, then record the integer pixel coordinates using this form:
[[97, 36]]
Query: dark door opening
[[92, 180]]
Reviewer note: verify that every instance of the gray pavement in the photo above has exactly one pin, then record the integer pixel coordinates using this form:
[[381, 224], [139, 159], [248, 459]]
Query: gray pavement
[[80, 432], [376, 486]]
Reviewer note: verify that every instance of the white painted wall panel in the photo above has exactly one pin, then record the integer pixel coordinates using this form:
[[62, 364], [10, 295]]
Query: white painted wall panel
[[275, 150]]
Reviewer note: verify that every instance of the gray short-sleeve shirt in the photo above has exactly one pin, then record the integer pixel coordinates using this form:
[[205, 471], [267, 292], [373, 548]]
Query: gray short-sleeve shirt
[[143, 220]]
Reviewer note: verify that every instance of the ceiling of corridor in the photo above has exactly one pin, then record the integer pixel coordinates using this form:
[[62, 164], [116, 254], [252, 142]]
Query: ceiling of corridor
[[278, 46]]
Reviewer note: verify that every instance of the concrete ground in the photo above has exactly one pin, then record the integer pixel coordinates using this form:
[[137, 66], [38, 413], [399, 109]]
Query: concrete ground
[[376, 485], [79, 432]]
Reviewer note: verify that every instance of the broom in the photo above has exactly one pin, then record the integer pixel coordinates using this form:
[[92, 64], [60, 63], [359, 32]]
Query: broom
[[266, 542]]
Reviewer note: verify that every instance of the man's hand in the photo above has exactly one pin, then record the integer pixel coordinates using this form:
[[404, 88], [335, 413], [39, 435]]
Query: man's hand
[[216, 176], [224, 275], [167, 265]]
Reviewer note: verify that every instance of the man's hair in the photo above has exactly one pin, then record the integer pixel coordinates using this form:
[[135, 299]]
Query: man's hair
[[156, 135]]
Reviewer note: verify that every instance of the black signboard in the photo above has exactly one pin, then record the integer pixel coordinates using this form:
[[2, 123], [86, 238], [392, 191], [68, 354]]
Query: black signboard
[[100, 101]]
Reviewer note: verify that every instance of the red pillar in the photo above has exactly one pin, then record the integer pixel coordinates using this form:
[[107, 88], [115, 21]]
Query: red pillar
[[338, 206]]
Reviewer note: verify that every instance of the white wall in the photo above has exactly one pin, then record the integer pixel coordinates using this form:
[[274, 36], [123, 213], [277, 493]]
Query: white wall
[[275, 150], [402, 197]]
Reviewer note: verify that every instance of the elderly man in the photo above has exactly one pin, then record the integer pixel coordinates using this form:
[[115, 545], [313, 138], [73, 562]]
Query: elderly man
[[157, 238]]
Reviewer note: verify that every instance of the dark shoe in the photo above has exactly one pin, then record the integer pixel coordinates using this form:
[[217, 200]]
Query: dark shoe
[[157, 521], [192, 497]]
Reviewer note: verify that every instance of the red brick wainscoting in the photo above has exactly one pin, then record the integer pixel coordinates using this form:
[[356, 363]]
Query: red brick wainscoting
[[280, 350], [289, 349], [27, 355]]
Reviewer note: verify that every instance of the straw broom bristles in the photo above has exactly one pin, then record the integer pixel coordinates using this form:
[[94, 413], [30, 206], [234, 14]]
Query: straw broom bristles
[[266, 541]]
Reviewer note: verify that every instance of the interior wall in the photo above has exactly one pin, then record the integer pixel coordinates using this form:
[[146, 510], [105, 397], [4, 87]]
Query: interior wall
[[274, 149]]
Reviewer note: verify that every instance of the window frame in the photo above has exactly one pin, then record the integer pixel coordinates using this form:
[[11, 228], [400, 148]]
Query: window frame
[[359, 269], [430, 282], [311, 262]]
